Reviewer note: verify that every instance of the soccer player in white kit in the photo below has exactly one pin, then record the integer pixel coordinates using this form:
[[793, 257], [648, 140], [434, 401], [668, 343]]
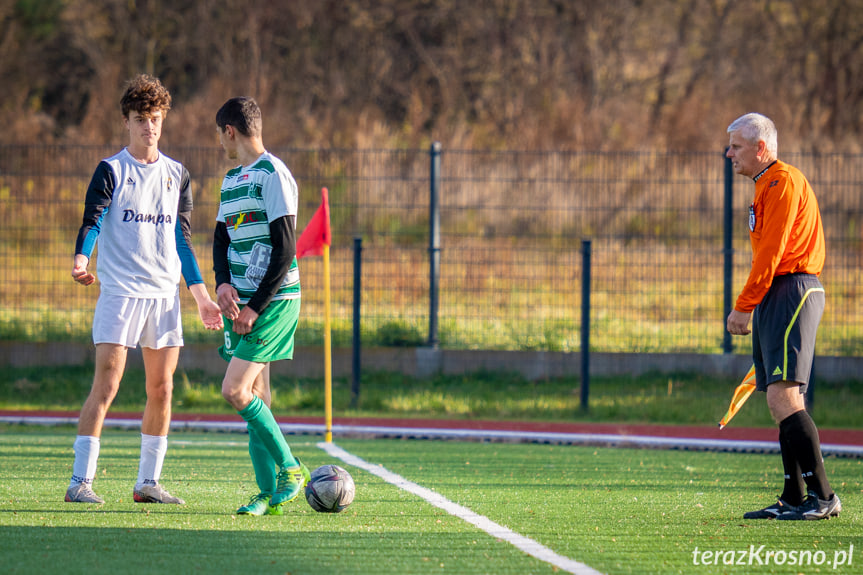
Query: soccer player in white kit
[[138, 206]]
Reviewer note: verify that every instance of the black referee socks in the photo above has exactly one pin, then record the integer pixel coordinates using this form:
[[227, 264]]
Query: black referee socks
[[799, 434], [795, 489]]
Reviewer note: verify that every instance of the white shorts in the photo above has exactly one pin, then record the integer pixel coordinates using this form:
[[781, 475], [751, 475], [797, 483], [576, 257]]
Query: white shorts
[[154, 323]]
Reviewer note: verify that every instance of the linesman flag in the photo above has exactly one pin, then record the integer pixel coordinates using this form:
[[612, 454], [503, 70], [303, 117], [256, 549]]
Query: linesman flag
[[741, 394], [315, 241]]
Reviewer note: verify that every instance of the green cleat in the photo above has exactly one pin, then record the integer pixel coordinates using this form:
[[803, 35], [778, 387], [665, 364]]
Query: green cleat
[[275, 510], [302, 474], [258, 505], [287, 486]]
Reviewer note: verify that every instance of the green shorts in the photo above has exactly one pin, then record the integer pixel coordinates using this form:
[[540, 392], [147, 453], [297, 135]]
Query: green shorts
[[271, 338]]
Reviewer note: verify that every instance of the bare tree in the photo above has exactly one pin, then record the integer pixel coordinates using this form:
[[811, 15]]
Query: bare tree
[[535, 74]]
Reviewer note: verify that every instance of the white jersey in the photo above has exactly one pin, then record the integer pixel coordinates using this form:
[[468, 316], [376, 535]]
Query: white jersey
[[133, 209]]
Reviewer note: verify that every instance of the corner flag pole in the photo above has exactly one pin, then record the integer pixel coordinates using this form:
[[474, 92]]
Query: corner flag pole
[[315, 241], [328, 355]]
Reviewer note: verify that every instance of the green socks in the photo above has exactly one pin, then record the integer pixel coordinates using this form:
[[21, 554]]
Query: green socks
[[261, 420], [262, 462]]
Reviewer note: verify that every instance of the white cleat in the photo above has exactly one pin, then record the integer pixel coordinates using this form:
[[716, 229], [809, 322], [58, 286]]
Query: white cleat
[[155, 494], [82, 493]]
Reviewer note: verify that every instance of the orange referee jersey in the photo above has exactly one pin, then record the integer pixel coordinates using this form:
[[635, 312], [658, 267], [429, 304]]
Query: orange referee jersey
[[785, 230]]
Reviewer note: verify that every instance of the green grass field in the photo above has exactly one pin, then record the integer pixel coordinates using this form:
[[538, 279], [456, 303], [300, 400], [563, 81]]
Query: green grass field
[[616, 510]]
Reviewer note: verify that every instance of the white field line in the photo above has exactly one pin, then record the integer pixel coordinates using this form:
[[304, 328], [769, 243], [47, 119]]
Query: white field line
[[496, 530]]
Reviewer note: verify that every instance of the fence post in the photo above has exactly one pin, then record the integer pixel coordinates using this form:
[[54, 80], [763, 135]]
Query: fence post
[[585, 324], [434, 243], [355, 363], [728, 253]]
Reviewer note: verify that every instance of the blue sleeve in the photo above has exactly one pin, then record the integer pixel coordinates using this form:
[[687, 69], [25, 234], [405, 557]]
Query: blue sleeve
[[100, 192], [183, 234]]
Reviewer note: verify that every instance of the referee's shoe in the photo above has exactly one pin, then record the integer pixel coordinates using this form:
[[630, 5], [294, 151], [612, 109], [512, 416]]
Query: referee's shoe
[[814, 508], [771, 511]]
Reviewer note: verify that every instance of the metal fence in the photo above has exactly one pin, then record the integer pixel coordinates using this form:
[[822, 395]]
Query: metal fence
[[512, 224]]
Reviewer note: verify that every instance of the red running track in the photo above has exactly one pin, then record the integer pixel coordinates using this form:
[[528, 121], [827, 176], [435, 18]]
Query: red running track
[[852, 437]]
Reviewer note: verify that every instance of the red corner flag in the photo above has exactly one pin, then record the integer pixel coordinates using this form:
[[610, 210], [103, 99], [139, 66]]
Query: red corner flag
[[317, 232]]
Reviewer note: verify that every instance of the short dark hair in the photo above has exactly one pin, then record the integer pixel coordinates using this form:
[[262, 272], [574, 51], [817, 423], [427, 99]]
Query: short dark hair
[[145, 94], [243, 114]]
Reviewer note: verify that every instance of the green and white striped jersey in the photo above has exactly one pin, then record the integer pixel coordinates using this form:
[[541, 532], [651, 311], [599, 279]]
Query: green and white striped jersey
[[251, 197]]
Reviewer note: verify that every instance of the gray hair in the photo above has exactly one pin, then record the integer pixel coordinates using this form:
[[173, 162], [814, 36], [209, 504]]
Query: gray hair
[[755, 128]]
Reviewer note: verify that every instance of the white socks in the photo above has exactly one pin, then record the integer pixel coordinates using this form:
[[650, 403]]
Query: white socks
[[86, 456], [153, 450]]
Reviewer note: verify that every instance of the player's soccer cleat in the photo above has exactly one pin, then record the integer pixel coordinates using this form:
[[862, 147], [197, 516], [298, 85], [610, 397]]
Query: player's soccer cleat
[[814, 508], [258, 505], [770, 512], [82, 493], [301, 473], [155, 494], [287, 486]]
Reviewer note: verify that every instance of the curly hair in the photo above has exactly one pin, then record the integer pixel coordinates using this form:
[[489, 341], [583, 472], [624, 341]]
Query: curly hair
[[145, 94]]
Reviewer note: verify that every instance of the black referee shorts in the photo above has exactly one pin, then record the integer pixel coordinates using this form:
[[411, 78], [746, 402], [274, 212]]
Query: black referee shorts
[[784, 325]]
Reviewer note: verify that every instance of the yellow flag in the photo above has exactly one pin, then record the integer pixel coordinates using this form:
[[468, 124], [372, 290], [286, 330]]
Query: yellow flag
[[741, 394]]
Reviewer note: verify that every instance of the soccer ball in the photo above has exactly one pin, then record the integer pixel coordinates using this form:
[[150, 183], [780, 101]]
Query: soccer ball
[[330, 489]]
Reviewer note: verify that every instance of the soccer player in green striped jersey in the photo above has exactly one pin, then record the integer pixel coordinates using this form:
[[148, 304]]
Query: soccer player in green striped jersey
[[258, 291]]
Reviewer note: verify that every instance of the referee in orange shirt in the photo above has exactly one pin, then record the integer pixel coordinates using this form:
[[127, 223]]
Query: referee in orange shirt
[[785, 300]]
